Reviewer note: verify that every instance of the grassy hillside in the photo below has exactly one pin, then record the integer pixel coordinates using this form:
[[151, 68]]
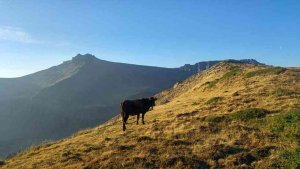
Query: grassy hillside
[[77, 94], [230, 116], [74, 95]]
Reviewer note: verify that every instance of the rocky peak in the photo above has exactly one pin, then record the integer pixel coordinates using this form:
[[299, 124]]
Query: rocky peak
[[87, 58]]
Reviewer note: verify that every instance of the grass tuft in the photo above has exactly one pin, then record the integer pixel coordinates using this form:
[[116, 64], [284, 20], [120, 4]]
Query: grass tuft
[[221, 151], [214, 100], [215, 119], [187, 114], [212, 83], [282, 92], [248, 114], [262, 152], [181, 143], [125, 147], [144, 138], [185, 162]]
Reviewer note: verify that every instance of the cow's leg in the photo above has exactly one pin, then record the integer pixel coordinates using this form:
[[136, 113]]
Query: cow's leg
[[123, 120], [126, 118], [137, 119], [143, 115]]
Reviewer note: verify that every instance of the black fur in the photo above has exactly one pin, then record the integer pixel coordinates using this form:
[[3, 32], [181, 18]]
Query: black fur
[[136, 107]]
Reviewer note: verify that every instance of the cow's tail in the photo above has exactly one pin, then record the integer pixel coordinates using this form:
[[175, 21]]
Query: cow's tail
[[123, 116]]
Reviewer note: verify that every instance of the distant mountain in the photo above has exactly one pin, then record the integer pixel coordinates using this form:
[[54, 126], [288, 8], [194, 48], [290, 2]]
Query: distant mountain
[[76, 94], [200, 66]]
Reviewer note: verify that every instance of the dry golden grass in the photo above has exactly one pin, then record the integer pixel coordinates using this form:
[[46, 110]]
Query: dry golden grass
[[186, 130]]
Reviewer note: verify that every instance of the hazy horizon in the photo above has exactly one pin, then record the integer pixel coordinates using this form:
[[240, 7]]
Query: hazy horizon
[[36, 35]]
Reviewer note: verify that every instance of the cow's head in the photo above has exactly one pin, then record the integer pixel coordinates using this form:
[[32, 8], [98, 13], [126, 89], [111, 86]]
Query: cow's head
[[152, 102]]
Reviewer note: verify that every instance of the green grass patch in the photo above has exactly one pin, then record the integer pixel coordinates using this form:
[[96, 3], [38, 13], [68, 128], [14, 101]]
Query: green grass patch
[[214, 100], [286, 125], [270, 70], [211, 84], [289, 124], [286, 128], [215, 119], [248, 114], [282, 92], [234, 70], [289, 158]]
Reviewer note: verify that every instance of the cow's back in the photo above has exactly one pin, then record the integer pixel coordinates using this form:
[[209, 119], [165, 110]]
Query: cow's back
[[132, 106], [128, 104]]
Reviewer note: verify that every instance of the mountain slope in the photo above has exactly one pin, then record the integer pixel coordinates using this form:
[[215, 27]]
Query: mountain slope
[[80, 93], [17, 121], [28, 86], [230, 116], [72, 96]]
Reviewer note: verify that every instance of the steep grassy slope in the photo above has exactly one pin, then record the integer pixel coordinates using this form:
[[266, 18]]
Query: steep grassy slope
[[231, 116]]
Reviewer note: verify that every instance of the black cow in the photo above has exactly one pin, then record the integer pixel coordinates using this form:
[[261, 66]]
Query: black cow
[[136, 107]]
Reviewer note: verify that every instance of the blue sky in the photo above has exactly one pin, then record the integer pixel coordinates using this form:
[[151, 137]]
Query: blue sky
[[35, 34]]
